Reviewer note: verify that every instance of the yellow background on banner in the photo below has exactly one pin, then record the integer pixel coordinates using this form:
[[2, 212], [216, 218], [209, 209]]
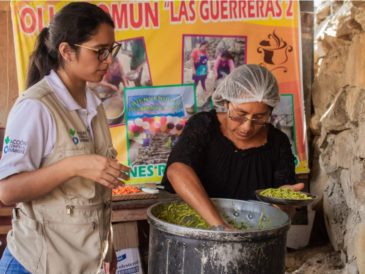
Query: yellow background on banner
[[164, 43]]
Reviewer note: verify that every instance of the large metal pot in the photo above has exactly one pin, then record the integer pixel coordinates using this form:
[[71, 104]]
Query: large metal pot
[[177, 249]]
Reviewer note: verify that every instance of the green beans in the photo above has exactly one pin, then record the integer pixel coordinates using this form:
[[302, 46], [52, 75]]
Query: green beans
[[182, 214], [284, 193]]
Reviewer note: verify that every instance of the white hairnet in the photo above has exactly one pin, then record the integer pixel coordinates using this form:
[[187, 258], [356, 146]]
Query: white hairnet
[[247, 84]]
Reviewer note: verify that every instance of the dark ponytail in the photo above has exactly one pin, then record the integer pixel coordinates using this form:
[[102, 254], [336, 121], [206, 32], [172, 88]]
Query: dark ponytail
[[75, 23], [41, 61]]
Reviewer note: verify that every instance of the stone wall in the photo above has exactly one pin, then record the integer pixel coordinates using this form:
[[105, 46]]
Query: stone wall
[[338, 126]]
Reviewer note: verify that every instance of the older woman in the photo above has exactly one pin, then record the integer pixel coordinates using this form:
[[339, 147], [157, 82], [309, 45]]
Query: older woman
[[232, 150]]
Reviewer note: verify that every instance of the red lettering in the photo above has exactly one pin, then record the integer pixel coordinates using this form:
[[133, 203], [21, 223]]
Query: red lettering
[[289, 10], [51, 12], [28, 20], [183, 14], [172, 14], [151, 14], [120, 15], [260, 9], [224, 9], [40, 18], [242, 9], [279, 11], [251, 9], [233, 9], [192, 10], [214, 10], [269, 9], [204, 10], [104, 8], [136, 20]]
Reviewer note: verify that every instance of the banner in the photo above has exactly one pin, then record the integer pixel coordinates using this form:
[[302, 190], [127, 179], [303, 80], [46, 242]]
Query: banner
[[170, 43]]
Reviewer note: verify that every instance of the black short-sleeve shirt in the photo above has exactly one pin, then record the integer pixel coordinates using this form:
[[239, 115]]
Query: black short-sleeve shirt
[[226, 171]]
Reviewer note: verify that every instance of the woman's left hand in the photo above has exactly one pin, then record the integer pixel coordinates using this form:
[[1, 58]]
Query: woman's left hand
[[296, 187]]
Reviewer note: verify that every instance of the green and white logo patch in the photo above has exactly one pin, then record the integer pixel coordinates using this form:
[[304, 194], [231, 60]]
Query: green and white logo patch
[[14, 145], [74, 137], [78, 136]]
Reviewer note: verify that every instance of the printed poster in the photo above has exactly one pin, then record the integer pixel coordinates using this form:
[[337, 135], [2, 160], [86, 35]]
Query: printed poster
[[172, 43], [155, 118]]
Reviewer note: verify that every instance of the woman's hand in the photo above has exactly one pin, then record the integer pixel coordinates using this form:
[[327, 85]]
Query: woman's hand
[[296, 187], [107, 172], [187, 185]]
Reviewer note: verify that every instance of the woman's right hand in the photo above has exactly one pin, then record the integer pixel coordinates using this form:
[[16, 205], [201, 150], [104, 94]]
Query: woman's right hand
[[107, 172]]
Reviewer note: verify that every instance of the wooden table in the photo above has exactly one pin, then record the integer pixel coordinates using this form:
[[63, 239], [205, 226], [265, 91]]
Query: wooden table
[[130, 229], [136, 210]]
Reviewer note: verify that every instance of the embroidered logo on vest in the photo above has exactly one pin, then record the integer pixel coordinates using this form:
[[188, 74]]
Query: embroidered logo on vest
[[78, 136], [75, 139]]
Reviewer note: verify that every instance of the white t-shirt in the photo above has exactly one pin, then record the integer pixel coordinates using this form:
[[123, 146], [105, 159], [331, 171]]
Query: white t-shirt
[[30, 133]]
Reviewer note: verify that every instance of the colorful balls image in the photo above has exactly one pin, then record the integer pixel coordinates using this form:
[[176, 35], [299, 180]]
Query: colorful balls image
[[155, 127], [147, 119], [170, 125], [132, 127], [138, 122], [163, 120], [146, 142], [145, 125], [169, 119], [182, 121], [179, 126]]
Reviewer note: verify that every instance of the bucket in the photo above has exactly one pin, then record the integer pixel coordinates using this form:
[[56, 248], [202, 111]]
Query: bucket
[[176, 249]]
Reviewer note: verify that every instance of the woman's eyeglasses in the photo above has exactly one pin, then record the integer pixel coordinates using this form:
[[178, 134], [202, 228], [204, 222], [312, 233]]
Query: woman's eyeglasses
[[263, 120], [103, 53]]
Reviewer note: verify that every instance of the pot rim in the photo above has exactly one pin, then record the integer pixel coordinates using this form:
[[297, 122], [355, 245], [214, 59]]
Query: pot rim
[[198, 233]]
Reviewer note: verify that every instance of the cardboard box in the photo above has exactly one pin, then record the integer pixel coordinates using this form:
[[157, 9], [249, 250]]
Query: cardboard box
[[129, 261]]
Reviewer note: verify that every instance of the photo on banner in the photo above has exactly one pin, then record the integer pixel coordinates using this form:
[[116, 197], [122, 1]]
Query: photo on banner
[[129, 68], [208, 59], [282, 118], [155, 118]]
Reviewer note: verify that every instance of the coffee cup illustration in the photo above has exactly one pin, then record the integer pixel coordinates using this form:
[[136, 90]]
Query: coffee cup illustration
[[274, 49]]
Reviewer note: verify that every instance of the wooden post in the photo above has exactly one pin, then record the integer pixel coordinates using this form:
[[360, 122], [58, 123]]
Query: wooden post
[[8, 76]]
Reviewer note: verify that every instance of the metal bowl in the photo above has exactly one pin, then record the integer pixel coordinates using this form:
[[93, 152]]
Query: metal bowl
[[132, 75], [278, 201], [114, 109]]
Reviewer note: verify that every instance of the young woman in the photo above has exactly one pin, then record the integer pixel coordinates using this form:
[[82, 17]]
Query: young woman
[[199, 57], [232, 151], [138, 59], [58, 164]]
